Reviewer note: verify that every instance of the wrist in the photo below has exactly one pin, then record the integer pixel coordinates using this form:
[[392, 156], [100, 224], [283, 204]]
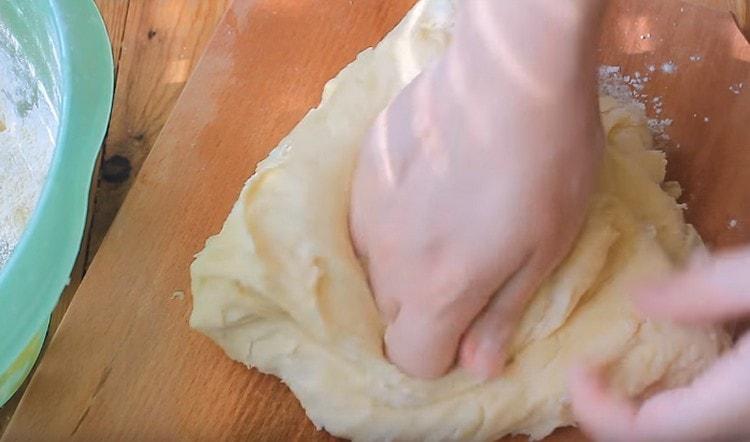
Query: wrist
[[567, 15], [549, 41], [544, 25]]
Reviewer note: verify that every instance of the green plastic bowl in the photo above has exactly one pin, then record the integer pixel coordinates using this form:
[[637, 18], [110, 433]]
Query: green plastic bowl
[[67, 46]]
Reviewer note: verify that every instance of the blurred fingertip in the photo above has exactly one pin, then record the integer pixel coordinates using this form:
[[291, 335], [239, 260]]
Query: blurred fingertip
[[653, 298], [644, 297], [590, 368], [586, 379], [599, 412]]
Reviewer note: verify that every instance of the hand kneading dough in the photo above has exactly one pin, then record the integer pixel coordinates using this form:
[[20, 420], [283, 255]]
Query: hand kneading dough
[[280, 288]]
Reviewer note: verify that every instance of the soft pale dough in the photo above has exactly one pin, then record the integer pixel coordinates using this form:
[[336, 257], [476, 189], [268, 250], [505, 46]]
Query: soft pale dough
[[280, 288]]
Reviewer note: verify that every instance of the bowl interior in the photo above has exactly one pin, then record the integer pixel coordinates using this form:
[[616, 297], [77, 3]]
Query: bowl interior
[[64, 58]]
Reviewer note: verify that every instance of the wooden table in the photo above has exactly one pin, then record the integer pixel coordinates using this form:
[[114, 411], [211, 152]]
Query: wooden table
[[155, 45]]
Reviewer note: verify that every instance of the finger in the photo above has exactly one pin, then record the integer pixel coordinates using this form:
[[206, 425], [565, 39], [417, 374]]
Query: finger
[[434, 313], [420, 344], [424, 325], [715, 291], [424, 337], [715, 406], [601, 414], [484, 346], [425, 320]]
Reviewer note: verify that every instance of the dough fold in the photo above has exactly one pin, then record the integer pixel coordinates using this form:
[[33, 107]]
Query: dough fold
[[280, 288]]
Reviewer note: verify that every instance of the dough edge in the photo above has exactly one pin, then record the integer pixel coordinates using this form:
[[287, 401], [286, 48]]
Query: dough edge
[[280, 289]]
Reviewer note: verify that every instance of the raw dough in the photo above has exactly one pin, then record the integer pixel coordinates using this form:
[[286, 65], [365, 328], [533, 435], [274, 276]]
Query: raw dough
[[280, 288]]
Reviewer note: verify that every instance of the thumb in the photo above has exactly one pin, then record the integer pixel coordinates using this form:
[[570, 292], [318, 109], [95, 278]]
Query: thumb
[[421, 344], [716, 290]]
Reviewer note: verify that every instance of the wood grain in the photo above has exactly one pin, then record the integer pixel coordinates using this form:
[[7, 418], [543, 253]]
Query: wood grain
[[124, 363], [117, 17], [158, 45], [114, 14], [266, 68], [740, 9], [708, 97]]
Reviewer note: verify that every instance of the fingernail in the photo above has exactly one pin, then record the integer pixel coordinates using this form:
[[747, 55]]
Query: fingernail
[[468, 352], [487, 361]]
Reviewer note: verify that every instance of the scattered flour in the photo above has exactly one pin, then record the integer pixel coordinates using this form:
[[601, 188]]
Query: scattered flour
[[630, 89], [669, 67], [28, 129]]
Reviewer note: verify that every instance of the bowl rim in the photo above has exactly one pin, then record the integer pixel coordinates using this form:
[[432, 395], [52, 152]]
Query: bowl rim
[[39, 268]]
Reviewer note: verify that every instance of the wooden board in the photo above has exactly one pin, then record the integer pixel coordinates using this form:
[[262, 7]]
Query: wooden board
[[707, 97], [156, 46], [183, 28], [124, 363]]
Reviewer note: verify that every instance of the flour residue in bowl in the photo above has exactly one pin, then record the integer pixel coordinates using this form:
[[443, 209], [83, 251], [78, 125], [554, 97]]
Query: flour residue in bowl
[[28, 129]]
